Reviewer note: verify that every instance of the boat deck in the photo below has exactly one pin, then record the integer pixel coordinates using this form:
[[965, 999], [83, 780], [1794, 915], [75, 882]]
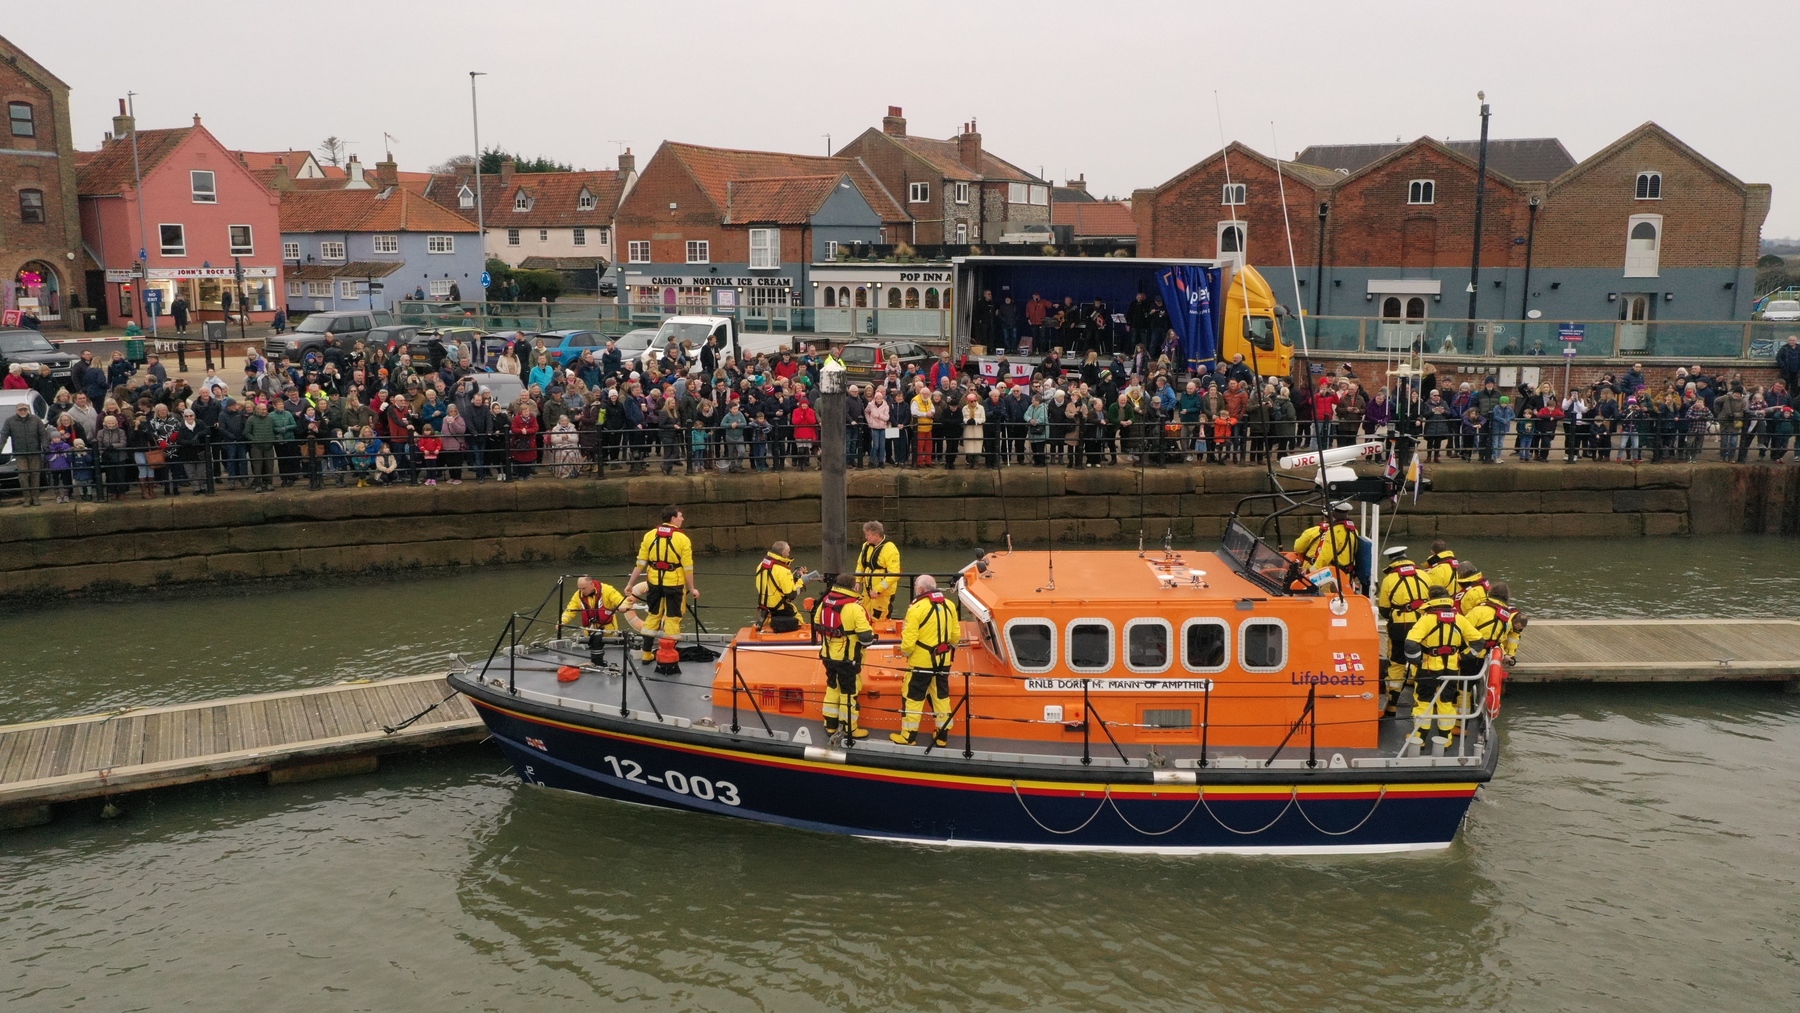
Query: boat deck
[[687, 701]]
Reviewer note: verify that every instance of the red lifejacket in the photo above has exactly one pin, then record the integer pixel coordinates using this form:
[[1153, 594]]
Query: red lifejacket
[[945, 649], [1410, 570], [596, 614], [1445, 617], [831, 612]]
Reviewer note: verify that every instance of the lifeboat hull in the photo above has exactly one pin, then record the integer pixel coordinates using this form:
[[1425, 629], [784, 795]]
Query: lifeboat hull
[[939, 800]]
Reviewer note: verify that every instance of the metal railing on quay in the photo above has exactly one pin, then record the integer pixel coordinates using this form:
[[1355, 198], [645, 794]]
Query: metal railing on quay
[[1532, 342]]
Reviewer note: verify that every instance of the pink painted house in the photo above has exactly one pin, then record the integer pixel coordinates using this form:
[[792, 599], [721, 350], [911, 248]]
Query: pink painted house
[[203, 216]]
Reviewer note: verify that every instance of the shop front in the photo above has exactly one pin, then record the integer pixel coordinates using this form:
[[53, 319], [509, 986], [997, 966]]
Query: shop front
[[762, 301], [212, 293]]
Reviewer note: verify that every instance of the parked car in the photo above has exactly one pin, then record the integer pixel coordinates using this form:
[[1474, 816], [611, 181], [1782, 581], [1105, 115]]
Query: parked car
[[609, 288], [9, 403], [1782, 310], [564, 346], [347, 326], [29, 348], [398, 335], [419, 345], [867, 361]]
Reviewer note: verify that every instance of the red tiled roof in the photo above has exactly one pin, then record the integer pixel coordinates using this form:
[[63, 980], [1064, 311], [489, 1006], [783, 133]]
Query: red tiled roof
[[714, 169], [1109, 218], [109, 170], [257, 161], [366, 211], [785, 200], [943, 157], [555, 196]]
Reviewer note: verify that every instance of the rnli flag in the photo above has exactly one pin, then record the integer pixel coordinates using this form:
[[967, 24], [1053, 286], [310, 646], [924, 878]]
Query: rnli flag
[[1392, 470]]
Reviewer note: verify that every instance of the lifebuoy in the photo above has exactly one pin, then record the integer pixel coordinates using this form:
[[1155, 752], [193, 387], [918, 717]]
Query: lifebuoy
[[1496, 680]]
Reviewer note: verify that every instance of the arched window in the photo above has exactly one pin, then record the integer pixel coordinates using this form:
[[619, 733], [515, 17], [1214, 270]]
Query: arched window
[[931, 299], [947, 294], [912, 298], [894, 298], [1231, 239], [1642, 230], [1649, 186], [844, 296], [1415, 310], [830, 296], [1390, 308], [862, 297]]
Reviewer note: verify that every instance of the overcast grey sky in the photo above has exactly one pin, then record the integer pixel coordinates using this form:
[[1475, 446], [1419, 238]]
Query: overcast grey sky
[[1118, 89]]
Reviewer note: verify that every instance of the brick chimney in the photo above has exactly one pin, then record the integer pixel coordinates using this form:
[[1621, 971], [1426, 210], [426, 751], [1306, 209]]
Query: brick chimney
[[893, 124], [627, 161], [283, 180], [507, 165], [1078, 183], [196, 119], [124, 123], [387, 172], [968, 146]]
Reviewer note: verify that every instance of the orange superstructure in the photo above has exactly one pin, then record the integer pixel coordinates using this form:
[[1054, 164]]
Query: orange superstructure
[[1137, 642]]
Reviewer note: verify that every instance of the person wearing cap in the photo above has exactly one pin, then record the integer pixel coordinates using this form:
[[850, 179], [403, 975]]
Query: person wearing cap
[[1401, 598], [1434, 648], [1330, 543], [1501, 418]]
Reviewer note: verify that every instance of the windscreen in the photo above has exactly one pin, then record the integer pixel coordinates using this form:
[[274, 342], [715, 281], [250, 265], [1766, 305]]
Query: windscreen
[[673, 332], [24, 341], [314, 325]]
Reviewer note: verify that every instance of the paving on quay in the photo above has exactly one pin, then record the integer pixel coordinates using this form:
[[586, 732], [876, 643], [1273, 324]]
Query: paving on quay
[[342, 729]]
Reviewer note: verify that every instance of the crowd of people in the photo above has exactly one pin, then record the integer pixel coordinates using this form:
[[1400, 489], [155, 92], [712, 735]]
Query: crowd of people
[[375, 416]]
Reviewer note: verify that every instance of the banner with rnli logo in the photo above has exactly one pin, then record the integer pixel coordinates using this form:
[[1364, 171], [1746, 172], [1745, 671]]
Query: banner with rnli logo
[[1187, 291], [1066, 685]]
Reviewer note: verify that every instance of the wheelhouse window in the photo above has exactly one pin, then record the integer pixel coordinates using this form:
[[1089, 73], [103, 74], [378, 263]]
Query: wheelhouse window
[[1264, 645], [1090, 645], [174, 240], [1421, 191], [31, 206], [1205, 645], [1032, 644], [23, 119], [1649, 186], [765, 248], [242, 245], [204, 185], [1147, 645]]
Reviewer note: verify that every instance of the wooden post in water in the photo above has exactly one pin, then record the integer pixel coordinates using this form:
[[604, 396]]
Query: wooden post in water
[[831, 467]]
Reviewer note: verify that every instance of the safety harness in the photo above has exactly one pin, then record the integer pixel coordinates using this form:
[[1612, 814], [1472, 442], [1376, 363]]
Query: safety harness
[[1411, 584], [1446, 623], [595, 614], [663, 557], [1337, 552], [769, 596], [869, 561], [831, 626], [945, 649]]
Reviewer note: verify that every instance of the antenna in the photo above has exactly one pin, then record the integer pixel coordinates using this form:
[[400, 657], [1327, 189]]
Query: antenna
[[388, 141]]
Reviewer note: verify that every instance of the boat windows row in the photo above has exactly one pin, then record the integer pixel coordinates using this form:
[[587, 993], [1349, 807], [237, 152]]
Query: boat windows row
[[1092, 646]]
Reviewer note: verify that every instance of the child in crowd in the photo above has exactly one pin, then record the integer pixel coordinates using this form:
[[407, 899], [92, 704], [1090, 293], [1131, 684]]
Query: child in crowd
[[387, 466], [431, 447]]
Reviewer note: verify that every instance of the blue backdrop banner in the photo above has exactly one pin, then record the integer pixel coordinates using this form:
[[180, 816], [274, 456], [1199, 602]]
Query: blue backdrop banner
[[1188, 292]]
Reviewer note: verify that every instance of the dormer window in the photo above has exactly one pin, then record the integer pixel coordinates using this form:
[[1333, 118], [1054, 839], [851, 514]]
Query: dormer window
[[521, 201], [465, 198], [1649, 186], [585, 202]]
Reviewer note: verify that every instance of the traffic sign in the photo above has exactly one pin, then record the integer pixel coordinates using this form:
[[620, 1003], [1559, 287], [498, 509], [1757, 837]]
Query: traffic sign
[[153, 299], [1571, 351], [1571, 332], [486, 280], [377, 287]]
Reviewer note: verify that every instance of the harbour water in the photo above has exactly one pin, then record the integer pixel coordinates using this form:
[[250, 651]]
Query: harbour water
[[1636, 852]]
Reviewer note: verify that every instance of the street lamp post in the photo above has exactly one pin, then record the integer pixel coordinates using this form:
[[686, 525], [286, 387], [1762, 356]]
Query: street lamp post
[[480, 218], [1480, 200], [137, 175]]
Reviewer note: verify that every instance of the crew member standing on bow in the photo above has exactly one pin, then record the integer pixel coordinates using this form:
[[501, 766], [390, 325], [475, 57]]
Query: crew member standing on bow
[[666, 561], [777, 584], [928, 643], [878, 565], [1332, 544], [1401, 598], [844, 632], [1434, 647]]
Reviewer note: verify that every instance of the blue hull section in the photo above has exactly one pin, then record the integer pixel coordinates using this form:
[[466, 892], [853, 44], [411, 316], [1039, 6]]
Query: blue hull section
[[950, 809]]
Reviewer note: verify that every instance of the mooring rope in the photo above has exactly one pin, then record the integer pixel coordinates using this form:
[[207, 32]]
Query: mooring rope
[[391, 729], [1342, 833], [1104, 798]]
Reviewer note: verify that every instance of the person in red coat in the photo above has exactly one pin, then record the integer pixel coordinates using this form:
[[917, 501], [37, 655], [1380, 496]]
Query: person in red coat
[[806, 432], [524, 439]]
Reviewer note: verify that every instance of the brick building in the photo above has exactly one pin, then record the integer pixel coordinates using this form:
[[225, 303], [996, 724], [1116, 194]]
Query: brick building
[[40, 223], [1645, 228], [716, 226], [956, 193], [208, 211]]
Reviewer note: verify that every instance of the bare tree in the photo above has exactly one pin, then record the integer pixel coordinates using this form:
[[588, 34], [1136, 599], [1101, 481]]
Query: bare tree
[[331, 150], [456, 164]]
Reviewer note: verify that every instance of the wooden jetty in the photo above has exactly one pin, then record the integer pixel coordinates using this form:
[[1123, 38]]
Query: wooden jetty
[[328, 731], [1660, 650], [298, 735]]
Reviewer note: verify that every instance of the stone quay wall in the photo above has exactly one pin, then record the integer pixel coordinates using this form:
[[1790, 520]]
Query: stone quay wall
[[93, 548]]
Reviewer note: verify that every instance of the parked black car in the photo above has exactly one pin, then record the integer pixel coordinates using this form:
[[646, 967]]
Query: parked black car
[[347, 326], [867, 361], [29, 348]]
